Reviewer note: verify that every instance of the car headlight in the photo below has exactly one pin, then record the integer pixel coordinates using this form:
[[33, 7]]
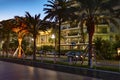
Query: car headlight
[[81, 56], [76, 56]]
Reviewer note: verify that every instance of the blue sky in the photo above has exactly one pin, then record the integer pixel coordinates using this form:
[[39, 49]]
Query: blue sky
[[11, 8]]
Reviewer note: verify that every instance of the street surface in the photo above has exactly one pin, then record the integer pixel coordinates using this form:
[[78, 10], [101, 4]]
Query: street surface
[[12, 71]]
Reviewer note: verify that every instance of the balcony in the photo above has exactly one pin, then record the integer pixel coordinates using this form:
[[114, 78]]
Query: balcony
[[70, 28], [73, 34]]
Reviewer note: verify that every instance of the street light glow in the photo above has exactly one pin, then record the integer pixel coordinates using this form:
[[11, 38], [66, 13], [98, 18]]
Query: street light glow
[[53, 36]]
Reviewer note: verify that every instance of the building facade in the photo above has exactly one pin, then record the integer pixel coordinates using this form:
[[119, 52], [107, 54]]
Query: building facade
[[72, 37]]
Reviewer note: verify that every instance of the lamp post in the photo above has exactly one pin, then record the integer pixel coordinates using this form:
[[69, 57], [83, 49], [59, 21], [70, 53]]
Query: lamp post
[[53, 37]]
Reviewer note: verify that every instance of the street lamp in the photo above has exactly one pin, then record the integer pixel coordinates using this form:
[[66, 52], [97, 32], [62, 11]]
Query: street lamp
[[32, 39], [53, 37], [118, 51]]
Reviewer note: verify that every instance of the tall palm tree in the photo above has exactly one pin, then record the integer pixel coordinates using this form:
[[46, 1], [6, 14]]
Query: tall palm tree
[[34, 25], [91, 9], [57, 10]]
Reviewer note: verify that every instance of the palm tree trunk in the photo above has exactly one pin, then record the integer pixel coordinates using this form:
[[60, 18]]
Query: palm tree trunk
[[90, 52], [90, 28], [20, 48], [34, 51], [59, 38]]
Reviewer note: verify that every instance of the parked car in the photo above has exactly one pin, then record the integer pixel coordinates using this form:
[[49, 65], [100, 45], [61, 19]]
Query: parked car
[[74, 55]]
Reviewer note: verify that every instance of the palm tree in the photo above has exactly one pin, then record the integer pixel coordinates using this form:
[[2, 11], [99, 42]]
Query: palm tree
[[34, 25], [57, 10], [6, 29], [19, 28], [92, 9]]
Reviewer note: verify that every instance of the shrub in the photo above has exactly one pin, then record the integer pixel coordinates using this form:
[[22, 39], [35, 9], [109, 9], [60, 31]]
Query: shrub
[[46, 48], [104, 49]]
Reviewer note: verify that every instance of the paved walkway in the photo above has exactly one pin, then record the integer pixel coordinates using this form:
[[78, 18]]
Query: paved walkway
[[12, 71]]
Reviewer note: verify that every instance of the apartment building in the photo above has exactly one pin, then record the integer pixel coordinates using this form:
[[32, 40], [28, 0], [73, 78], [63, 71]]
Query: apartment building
[[72, 38]]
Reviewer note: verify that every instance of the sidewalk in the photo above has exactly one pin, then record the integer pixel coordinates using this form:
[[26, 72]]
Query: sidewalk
[[11, 71]]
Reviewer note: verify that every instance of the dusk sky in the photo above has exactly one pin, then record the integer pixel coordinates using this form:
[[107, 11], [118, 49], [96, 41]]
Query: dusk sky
[[11, 8]]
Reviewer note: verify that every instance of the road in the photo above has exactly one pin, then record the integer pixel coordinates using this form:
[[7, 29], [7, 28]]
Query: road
[[12, 71]]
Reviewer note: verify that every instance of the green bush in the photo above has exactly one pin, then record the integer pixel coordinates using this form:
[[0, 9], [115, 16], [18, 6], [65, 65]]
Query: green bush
[[28, 52], [46, 47], [104, 49]]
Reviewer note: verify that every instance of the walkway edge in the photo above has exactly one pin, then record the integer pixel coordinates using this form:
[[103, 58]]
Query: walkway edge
[[101, 74]]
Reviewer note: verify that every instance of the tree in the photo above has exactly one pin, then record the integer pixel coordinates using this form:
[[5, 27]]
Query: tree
[[19, 28], [34, 25], [91, 10], [57, 10], [6, 30]]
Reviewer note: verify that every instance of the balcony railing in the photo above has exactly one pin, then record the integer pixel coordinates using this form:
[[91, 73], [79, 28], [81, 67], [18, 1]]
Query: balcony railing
[[73, 34]]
